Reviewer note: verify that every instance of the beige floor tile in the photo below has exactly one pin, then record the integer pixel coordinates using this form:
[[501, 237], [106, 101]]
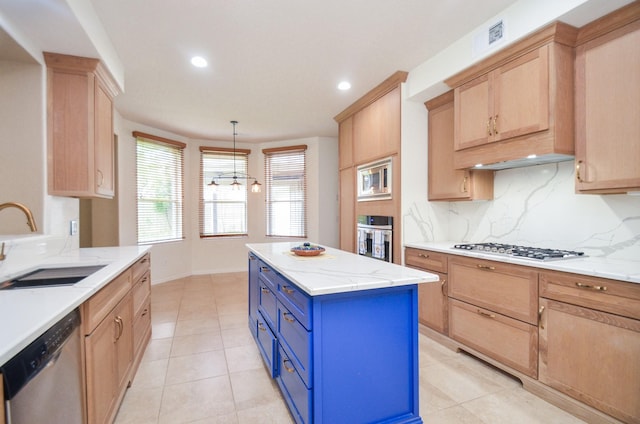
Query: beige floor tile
[[275, 412], [220, 419], [140, 406], [196, 343], [162, 330], [242, 358], [158, 349], [232, 307], [234, 320], [196, 326], [454, 415], [159, 316], [253, 388], [197, 366], [196, 400], [151, 374], [432, 399], [233, 337], [197, 311]]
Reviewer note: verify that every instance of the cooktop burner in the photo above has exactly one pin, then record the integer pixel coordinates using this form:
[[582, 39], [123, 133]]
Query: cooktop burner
[[537, 253]]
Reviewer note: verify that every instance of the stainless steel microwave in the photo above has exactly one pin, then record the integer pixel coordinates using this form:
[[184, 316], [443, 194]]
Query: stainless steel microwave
[[374, 180]]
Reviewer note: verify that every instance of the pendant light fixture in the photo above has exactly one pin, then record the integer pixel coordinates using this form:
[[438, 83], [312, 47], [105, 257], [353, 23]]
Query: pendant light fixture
[[235, 184]]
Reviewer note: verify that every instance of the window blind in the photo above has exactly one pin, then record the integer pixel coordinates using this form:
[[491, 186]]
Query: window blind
[[223, 211], [159, 169], [286, 191]]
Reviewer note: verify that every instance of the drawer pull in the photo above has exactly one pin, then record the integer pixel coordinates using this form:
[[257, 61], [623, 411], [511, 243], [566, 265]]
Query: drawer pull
[[261, 327], [265, 290], [264, 269], [118, 321], [590, 287], [291, 370], [485, 314], [145, 312], [287, 318], [540, 311], [443, 289], [422, 255], [287, 289], [486, 267]]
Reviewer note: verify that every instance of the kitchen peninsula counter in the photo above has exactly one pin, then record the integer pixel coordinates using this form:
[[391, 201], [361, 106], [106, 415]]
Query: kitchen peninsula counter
[[26, 313], [338, 332]]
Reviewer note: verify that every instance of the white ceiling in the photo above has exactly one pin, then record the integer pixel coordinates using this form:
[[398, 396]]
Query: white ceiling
[[273, 65]]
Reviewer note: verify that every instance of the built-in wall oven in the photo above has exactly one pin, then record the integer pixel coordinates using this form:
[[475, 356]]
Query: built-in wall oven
[[375, 236]]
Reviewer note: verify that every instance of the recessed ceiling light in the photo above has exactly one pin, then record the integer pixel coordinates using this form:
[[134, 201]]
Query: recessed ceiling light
[[532, 156], [478, 165], [199, 62], [344, 85]]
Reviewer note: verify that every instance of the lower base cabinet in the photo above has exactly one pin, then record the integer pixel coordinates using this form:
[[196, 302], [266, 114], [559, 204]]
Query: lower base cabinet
[[340, 358]]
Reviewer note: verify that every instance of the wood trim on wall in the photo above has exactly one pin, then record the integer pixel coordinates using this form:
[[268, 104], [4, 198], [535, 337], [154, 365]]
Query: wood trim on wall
[[299, 147], [374, 94], [614, 20], [224, 149], [163, 140]]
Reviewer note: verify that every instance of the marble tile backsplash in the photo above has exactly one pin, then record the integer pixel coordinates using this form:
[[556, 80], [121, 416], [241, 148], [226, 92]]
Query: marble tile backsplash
[[535, 206]]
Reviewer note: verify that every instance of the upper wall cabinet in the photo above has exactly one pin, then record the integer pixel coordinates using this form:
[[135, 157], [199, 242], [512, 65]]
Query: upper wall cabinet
[[445, 182], [80, 145], [608, 104], [517, 103]]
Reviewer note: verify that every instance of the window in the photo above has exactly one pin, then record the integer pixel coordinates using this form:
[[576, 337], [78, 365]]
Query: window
[[286, 191], [159, 167], [223, 209]]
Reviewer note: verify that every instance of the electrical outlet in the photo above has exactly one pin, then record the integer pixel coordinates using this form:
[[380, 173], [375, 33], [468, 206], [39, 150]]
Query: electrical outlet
[[73, 227]]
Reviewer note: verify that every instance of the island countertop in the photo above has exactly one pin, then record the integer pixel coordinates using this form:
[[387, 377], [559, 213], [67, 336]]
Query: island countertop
[[336, 271]]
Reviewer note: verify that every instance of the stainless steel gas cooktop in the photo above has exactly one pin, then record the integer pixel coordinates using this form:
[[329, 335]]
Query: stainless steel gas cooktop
[[524, 252]]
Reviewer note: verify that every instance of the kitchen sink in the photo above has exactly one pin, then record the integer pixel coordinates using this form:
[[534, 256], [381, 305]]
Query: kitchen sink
[[47, 277]]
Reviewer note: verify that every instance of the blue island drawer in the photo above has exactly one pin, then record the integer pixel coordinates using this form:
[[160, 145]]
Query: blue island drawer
[[298, 303], [267, 344], [296, 340], [271, 277], [296, 394], [267, 304]]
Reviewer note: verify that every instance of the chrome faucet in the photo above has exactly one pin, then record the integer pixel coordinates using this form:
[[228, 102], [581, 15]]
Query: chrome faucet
[[30, 221]]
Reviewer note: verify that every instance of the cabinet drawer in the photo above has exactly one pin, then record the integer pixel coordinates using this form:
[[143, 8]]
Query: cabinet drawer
[[512, 342], [296, 340], [425, 259], [268, 304], [605, 295], [298, 303], [296, 394], [141, 325], [270, 277], [267, 344], [141, 266], [100, 304], [141, 291], [511, 290]]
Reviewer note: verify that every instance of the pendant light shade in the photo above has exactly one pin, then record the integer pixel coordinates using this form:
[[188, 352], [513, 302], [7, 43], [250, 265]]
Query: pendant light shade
[[235, 184]]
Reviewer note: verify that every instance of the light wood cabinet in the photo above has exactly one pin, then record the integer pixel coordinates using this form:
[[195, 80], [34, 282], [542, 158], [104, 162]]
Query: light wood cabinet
[[608, 106], [141, 301], [518, 102], [433, 304], [80, 146], [590, 341], [446, 182], [494, 309], [347, 210], [345, 143]]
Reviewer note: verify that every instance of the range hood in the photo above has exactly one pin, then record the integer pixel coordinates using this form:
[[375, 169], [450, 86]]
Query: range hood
[[527, 161]]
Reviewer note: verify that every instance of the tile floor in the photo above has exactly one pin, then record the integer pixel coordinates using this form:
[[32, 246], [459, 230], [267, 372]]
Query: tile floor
[[202, 366]]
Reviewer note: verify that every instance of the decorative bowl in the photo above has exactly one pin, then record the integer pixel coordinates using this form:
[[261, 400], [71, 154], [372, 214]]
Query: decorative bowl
[[307, 249]]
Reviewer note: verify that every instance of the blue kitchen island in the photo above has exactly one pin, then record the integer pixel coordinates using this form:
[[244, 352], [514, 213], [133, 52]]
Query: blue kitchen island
[[338, 332]]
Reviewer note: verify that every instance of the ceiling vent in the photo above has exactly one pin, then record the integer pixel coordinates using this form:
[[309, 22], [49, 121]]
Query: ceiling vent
[[489, 37]]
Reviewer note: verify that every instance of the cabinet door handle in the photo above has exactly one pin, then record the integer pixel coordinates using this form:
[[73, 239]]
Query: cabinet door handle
[[287, 317], [495, 125], [422, 255], [291, 370], [590, 287], [540, 311], [265, 290], [145, 312], [264, 269], [443, 289], [485, 314], [463, 189], [578, 171], [261, 327], [101, 179], [486, 267], [489, 126], [118, 321], [287, 290]]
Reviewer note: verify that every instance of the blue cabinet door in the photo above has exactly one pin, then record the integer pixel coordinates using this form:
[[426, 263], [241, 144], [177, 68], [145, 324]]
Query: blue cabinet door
[[254, 265]]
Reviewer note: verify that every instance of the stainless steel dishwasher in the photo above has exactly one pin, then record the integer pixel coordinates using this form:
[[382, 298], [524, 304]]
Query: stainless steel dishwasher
[[43, 383]]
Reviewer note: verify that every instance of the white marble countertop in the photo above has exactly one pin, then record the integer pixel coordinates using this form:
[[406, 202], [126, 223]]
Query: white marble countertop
[[27, 313], [615, 269], [336, 271]]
